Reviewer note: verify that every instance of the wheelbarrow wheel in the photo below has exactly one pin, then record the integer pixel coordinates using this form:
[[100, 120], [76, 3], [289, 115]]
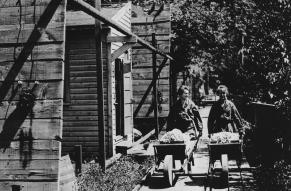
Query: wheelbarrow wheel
[[168, 169], [224, 173]]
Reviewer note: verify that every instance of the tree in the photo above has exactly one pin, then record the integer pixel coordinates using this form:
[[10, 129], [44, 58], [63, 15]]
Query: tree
[[246, 42]]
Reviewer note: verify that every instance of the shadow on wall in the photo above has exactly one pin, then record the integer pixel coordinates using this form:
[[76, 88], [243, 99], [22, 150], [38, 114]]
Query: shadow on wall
[[13, 124]]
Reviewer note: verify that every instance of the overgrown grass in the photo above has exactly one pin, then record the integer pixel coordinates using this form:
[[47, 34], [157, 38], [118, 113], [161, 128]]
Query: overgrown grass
[[123, 175]]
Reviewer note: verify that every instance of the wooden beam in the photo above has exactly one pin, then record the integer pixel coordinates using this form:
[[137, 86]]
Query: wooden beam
[[38, 30], [128, 39], [150, 87], [100, 92], [120, 50], [155, 92], [97, 14]]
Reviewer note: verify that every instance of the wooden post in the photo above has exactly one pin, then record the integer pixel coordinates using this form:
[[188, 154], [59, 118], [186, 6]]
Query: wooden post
[[155, 93], [100, 92], [78, 159]]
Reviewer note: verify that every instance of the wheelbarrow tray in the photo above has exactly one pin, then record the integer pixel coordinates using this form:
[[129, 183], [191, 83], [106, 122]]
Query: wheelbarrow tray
[[177, 149], [232, 149], [224, 152]]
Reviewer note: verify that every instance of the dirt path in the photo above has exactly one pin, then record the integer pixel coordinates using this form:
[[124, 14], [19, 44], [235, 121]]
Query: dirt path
[[185, 183]]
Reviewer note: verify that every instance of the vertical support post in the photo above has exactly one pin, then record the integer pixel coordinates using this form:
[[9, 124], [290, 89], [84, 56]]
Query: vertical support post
[[100, 92], [78, 159], [155, 93]]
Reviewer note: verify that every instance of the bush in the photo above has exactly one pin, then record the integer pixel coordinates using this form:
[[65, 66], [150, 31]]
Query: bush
[[273, 178], [123, 175]]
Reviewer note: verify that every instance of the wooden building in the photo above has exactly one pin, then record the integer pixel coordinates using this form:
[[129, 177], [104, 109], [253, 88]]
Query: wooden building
[[31, 93], [81, 105]]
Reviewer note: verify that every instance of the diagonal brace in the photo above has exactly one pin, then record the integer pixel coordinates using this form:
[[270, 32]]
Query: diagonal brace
[[121, 50], [150, 86], [35, 35]]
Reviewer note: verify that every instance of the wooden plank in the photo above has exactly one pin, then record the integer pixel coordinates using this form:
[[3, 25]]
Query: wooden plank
[[83, 68], [80, 113], [83, 84], [10, 33], [83, 79], [30, 186], [36, 70], [10, 15], [158, 28], [43, 165], [14, 154], [92, 133], [77, 139], [145, 73], [121, 39], [39, 52], [164, 47], [69, 130], [42, 109], [40, 128], [87, 123], [140, 83], [144, 57], [45, 90], [82, 102], [83, 96], [82, 73], [84, 90], [39, 145], [14, 3], [84, 57], [79, 118]]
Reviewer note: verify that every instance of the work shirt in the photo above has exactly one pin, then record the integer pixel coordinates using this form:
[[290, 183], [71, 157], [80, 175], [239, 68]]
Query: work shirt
[[185, 116], [224, 117]]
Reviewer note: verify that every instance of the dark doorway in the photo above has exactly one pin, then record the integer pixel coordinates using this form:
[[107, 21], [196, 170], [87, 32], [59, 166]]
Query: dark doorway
[[119, 105]]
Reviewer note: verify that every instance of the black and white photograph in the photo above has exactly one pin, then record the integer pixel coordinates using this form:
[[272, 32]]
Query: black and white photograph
[[145, 95]]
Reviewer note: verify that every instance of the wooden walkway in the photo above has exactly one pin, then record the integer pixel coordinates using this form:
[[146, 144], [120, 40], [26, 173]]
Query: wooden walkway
[[185, 183]]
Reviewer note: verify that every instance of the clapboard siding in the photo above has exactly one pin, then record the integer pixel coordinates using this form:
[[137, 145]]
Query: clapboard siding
[[81, 113], [32, 154], [142, 65]]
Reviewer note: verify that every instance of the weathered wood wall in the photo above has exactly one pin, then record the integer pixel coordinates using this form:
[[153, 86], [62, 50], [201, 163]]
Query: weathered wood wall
[[30, 151], [144, 24]]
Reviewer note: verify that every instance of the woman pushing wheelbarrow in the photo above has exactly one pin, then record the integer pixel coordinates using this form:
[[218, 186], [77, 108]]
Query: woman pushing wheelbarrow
[[179, 143], [225, 131]]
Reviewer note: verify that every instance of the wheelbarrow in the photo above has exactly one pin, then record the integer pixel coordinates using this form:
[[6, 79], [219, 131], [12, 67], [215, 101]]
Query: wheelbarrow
[[224, 152], [168, 154]]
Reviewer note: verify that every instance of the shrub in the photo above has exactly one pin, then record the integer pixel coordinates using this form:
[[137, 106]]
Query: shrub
[[273, 178], [123, 175]]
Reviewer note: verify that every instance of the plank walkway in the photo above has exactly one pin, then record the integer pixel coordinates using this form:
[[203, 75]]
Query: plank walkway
[[197, 183]]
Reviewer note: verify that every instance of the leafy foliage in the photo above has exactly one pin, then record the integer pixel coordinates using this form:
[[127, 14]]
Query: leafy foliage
[[245, 42], [124, 175], [275, 178]]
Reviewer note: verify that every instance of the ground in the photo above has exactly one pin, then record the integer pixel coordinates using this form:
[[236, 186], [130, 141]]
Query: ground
[[185, 183]]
